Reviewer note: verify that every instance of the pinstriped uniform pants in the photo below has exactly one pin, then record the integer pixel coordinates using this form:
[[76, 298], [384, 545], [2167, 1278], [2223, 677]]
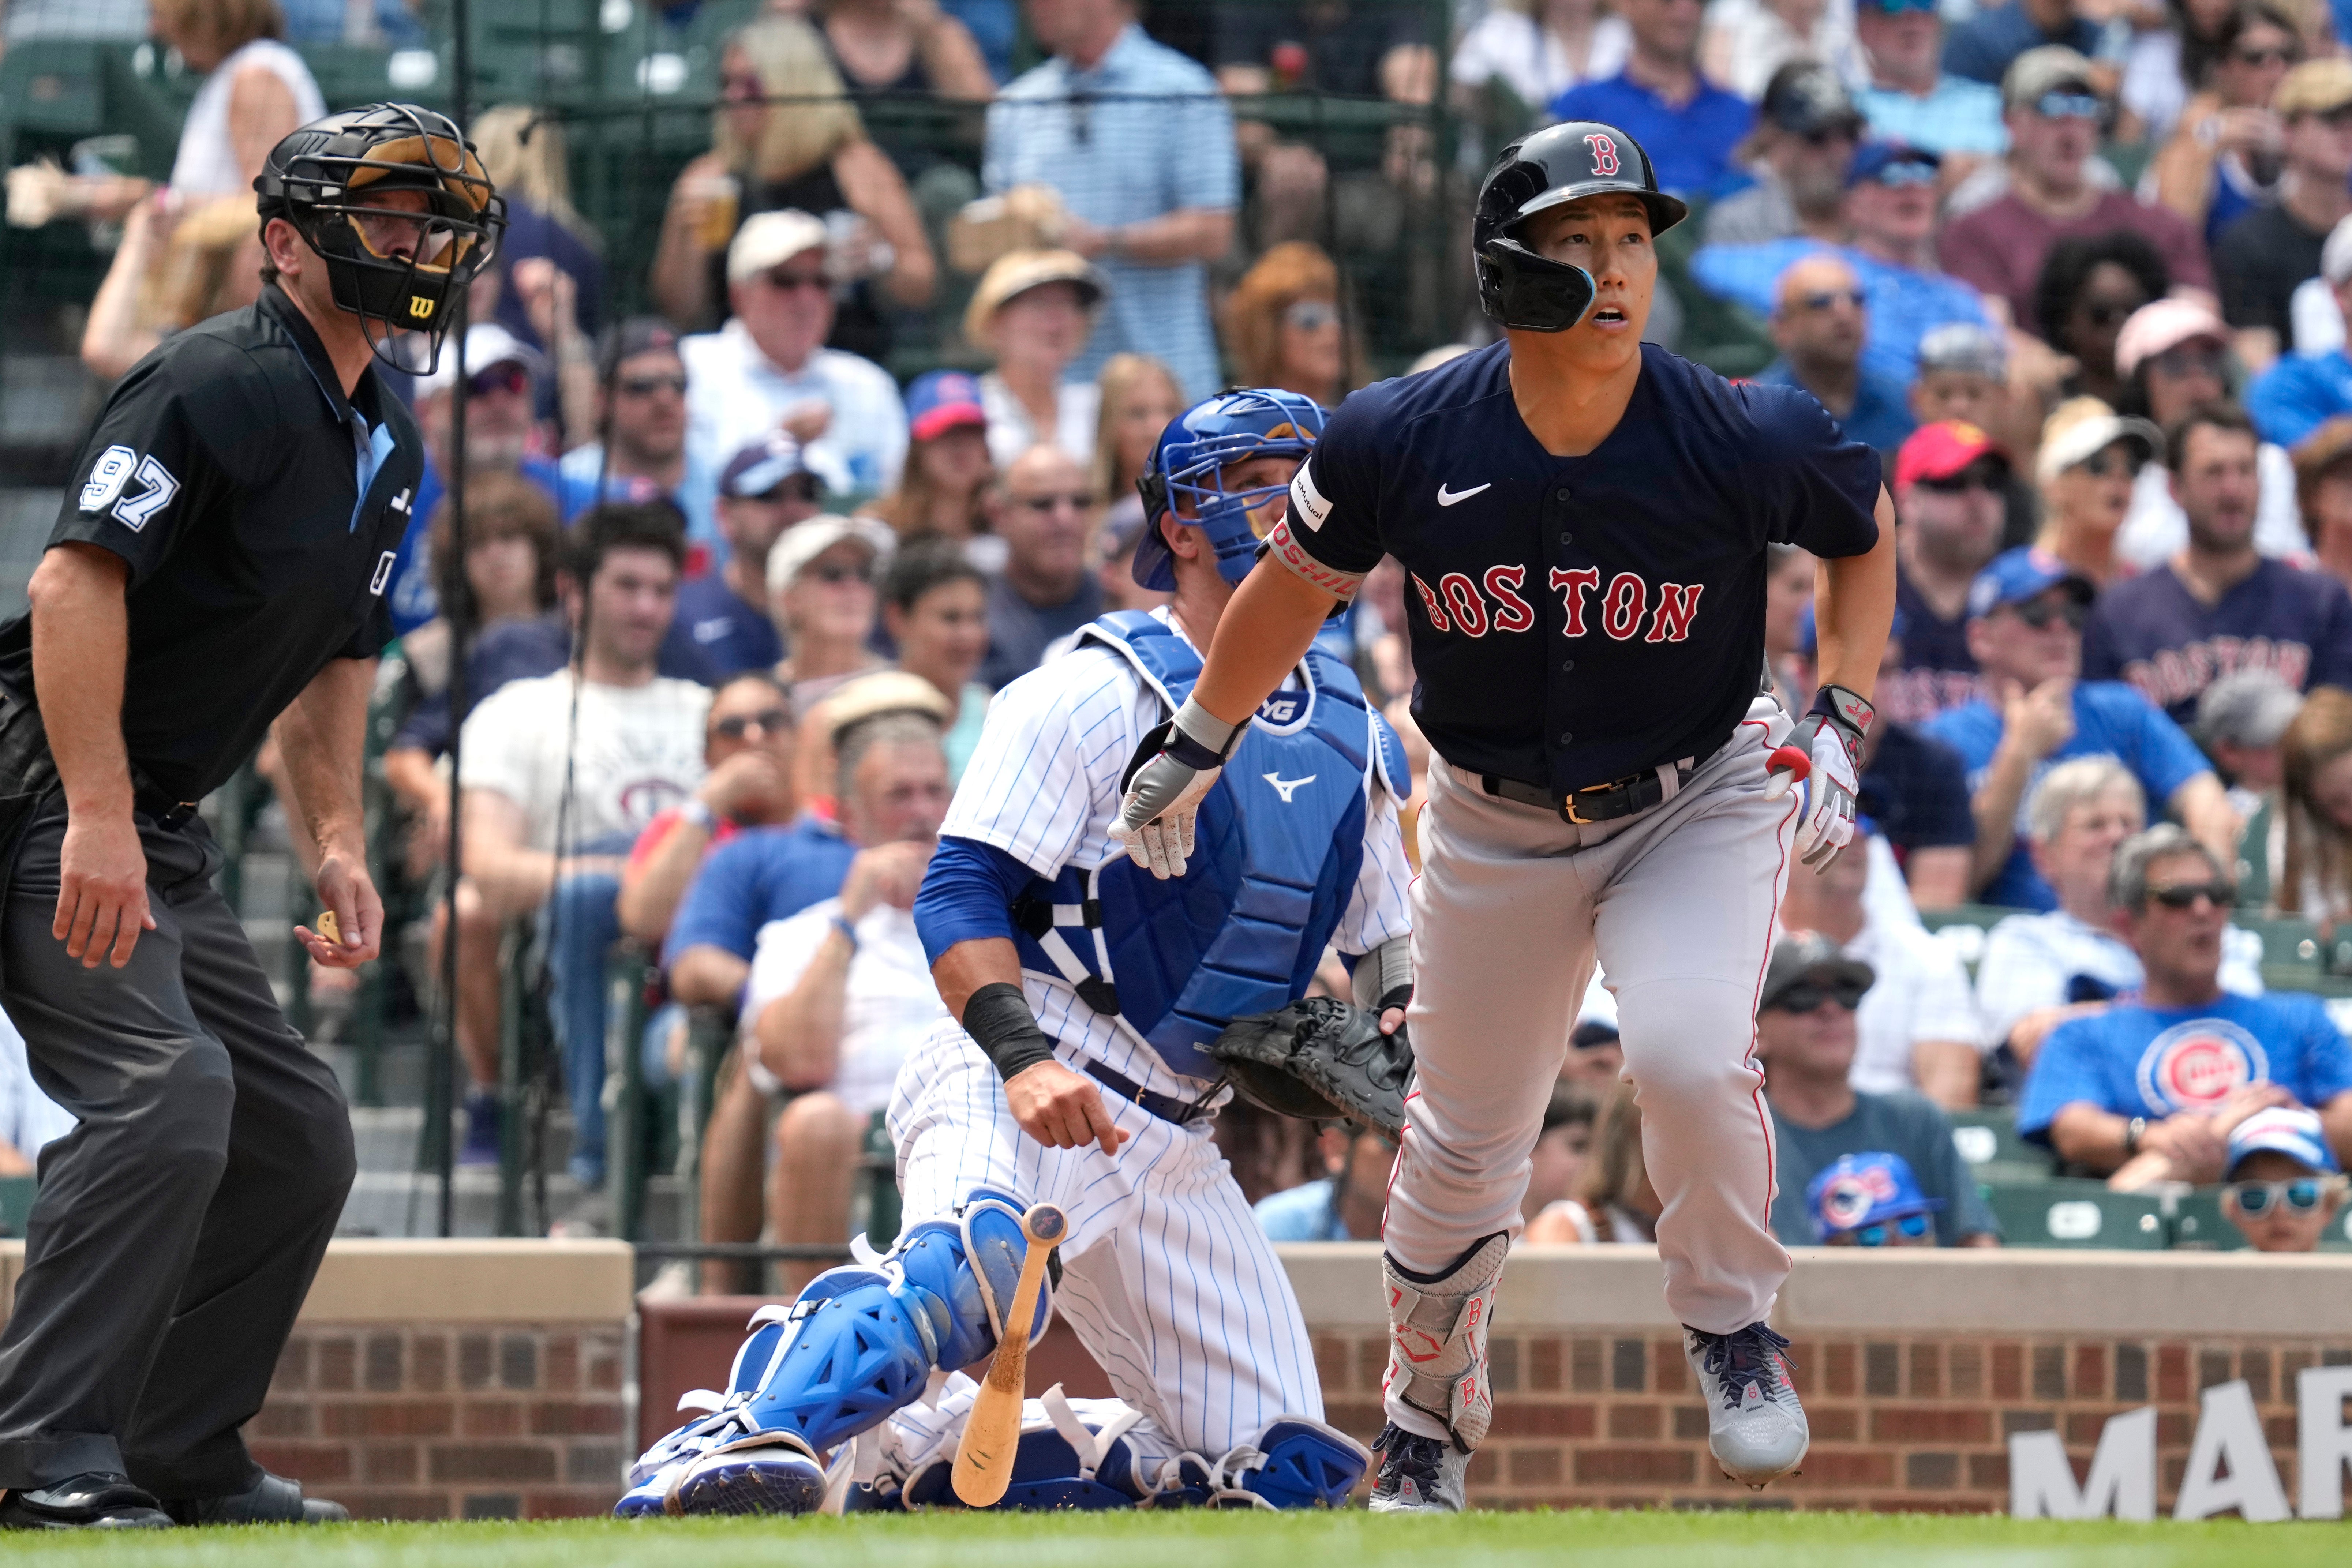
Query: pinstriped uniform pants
[[1167, 1279]]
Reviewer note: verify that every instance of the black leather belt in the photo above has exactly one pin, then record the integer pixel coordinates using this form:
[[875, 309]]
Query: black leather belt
[[1625, 797], [169, 815], [1167, 1107]]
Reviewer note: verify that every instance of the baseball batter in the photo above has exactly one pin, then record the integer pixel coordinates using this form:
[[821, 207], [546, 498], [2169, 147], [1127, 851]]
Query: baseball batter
[[1585, 519], [1089, 990]]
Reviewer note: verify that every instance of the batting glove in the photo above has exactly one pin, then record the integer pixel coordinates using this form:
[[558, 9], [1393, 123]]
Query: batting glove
[[1172, 772], [1826, 755]]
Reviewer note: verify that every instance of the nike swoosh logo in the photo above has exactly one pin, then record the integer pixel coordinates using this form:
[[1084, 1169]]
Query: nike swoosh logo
[[1449, 497]]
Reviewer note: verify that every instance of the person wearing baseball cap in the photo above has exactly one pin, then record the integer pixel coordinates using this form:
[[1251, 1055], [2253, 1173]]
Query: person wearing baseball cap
[[823, 589], [1870, 1200], [1034, 311], [2303, 391], [2265, 255], [1806, 1039], [2026, 612], [2056, 112], [1950, 480], [2284, 1186], [943, 489], [2089, 459], [769, 368], [641, 404], [1806, 129], [766, 489], [1911, 96], [2159, 1080]]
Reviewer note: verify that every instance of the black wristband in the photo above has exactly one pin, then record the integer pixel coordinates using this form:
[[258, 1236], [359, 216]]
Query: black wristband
[[1849, 711], [998, 1019], [1398, 997]]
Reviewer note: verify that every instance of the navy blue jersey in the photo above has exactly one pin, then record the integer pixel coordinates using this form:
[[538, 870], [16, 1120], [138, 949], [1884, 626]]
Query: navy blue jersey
[[1575, 620], [2152, 632], [1939, 672]]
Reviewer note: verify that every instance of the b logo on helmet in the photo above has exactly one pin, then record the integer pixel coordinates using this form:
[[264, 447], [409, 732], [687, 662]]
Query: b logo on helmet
[[419, 306], [1604, 151]]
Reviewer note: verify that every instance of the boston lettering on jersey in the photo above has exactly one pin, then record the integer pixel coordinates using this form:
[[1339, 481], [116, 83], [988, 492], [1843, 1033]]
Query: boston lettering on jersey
[[2154, 632], [1577, 619]]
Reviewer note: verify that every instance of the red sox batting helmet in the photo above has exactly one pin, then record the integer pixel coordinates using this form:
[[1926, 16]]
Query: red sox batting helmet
[[1556, 165]]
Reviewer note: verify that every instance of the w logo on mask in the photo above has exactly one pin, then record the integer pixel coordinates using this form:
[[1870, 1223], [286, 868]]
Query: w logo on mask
[[1604, 153]]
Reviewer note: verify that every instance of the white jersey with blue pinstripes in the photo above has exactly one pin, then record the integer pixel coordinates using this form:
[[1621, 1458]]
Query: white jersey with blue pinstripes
[[1044, 787]]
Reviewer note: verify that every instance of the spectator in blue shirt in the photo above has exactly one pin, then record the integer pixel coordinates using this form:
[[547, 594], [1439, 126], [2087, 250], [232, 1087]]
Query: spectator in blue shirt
[[1346, 1204], [1139, 143], [2171, 1071], [1889, 208], [1982, 48], [641, 406], [2303, 391], [1688, 126], [722, 616], [2025, 629], [1818, 320], [1910, 96]]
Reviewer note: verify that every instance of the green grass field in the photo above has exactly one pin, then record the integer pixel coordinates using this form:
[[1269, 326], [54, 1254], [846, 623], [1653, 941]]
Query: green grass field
[[1351, 1540]]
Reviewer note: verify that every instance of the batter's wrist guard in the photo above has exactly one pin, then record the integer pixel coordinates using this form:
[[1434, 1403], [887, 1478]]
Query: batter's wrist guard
[[999, 1020], [1849, 711]]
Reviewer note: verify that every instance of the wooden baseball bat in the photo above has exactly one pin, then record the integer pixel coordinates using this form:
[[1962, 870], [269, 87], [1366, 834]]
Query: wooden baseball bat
[[983, 1461]]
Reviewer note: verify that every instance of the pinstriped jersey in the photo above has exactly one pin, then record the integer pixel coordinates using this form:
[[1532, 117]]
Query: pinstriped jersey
[[1044, 787]]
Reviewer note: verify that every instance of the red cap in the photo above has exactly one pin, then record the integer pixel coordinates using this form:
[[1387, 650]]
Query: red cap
[[1940, 450]]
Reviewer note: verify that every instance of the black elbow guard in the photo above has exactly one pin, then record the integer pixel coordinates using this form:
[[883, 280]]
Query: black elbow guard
[[998, 1019]]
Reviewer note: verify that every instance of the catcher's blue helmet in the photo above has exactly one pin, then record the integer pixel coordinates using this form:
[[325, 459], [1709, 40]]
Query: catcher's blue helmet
[[1187, 466]]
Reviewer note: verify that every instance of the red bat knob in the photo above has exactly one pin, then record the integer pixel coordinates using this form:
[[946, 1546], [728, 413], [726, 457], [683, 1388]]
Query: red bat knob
[[1788, 759]]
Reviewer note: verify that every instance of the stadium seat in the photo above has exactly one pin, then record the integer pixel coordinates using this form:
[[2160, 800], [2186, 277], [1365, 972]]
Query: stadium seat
[[16, 1203], [2197, 1224], [2078, 1214]]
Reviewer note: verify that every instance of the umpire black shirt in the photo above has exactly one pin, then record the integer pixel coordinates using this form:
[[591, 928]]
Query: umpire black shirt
[[260, 512]]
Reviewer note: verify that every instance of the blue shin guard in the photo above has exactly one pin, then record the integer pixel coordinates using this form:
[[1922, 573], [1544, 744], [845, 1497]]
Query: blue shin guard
[[1293, 1463], [860, 1343]]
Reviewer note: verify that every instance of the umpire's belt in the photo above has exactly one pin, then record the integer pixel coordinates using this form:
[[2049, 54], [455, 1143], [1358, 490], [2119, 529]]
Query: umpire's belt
[[1167, 1107], [1626, 797], [170, 815]]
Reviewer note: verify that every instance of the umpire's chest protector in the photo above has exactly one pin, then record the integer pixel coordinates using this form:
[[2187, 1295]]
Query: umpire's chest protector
[[1280, 838]]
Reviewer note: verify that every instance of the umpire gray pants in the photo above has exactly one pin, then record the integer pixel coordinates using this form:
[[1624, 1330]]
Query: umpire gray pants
[[178, 1228]]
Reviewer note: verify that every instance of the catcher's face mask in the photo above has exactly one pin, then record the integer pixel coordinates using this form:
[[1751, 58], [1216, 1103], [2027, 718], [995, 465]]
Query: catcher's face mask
[[396, 202]]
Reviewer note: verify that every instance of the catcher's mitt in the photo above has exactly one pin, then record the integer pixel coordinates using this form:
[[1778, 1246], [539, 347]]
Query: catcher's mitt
[[1320, 1058]]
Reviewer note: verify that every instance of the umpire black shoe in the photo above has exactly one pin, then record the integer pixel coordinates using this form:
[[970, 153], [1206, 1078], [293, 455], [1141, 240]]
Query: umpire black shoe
[[95, 1499], [272, 1499]]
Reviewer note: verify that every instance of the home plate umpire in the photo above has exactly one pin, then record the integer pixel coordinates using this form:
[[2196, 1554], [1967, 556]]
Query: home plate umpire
[[219, 564]]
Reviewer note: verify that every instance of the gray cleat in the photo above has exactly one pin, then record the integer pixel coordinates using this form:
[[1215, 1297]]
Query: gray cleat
[[1418, 1475], [1756, 1427]]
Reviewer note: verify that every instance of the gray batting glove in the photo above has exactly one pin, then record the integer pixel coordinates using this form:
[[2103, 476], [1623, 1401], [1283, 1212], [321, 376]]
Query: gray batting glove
[[1173, 771]]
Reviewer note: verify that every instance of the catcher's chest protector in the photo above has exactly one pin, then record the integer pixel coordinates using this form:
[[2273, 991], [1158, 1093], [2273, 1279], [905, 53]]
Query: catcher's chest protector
[[1280, 838]]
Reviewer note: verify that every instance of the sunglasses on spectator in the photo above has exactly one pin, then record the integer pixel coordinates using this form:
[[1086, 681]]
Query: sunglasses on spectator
[[2185, 894], [2069, 105], [835, 574], [2337, 119], [646, 386], [1828, 297], [2104, 313], [1975, 476], [1913, 1226], [1311, 315], [783, 281], [506, 378], [2112, 462], [2188, 361], [2299, 1193], [767, 721], [798, 487], [1829, 134], [1907, 172], [2038, 613], [1807, 995], [2272, 57], [1077, 503]]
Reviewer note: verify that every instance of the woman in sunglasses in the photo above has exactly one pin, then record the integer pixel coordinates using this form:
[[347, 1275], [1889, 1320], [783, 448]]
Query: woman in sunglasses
[[1283, 326], [2090, 459], [2088, 286], [2223, 160], [2283, 1186]]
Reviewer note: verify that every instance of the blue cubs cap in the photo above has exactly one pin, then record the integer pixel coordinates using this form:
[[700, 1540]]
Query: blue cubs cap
[[2288, 1130], [1911, 165], [1864, 1189], [2017, 575], [939, 402], [759, 469]]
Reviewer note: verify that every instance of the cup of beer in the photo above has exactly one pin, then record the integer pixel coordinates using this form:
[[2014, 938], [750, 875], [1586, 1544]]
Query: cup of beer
[[722, 196]]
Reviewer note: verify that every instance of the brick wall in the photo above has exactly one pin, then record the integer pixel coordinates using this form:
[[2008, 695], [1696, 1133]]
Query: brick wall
[[1911, 1422], [430, 1421]]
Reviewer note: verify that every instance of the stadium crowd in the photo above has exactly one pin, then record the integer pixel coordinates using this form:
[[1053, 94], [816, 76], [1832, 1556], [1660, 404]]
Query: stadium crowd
[[735, 599]]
